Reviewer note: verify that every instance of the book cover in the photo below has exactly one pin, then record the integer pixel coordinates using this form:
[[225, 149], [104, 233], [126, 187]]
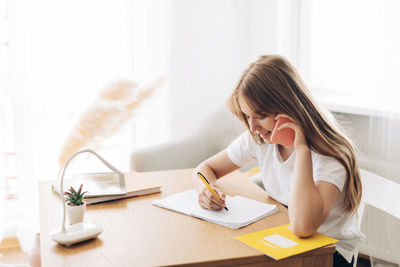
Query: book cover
[[279, 242], [96, 184], [133, 186]]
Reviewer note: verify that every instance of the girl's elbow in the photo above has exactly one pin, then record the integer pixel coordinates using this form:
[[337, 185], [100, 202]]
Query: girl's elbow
[[303, 230]]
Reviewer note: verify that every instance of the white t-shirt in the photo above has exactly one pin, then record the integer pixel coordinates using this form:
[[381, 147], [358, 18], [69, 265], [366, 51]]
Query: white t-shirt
[[277, 176]]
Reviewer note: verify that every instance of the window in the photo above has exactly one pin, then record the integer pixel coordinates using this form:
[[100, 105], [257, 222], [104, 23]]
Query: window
[[52, 67], [349, 52], [8, 179]]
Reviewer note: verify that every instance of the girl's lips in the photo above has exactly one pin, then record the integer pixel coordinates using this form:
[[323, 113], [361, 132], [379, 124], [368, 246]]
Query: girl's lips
[[264, 135]]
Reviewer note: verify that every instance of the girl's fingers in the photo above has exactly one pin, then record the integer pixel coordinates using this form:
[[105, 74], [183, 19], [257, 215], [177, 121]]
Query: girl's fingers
[[208, 197], [281, 115], [206, 203], [220, 193], [218, 200], [214, 206], [288, 125]]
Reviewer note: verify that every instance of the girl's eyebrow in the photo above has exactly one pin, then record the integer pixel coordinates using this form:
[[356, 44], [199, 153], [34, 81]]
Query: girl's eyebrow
[[254, 115]]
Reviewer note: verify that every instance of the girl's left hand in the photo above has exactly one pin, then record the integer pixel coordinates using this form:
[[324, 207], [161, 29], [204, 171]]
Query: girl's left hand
[[299, 138]]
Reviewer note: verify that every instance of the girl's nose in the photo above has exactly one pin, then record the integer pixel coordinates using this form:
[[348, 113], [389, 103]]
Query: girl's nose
[[253, 125]]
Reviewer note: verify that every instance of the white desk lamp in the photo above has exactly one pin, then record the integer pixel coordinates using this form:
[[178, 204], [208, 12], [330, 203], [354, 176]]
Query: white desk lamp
[[78, 232]]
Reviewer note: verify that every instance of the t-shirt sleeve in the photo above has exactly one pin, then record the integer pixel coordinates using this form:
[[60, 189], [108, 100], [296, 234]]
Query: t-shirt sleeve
[[329, 170], [242, 150]]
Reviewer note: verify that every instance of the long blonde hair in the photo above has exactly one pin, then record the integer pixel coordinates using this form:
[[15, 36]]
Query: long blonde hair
[[271, 85]]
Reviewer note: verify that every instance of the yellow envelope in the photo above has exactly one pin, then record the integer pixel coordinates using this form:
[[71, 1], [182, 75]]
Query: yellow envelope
[[279, 242]]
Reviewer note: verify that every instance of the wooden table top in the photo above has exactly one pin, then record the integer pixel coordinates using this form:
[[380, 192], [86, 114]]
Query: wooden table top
[[137, 233]]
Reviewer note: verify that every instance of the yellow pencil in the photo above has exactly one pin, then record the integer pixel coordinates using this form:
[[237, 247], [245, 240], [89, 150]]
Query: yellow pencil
[[205, 181]]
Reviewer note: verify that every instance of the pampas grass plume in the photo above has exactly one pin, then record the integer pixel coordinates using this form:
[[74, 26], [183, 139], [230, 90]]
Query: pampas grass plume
[[113, 107]]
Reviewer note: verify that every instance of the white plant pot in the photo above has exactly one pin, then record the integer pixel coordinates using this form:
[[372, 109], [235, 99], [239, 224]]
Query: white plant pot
[[75, 213]]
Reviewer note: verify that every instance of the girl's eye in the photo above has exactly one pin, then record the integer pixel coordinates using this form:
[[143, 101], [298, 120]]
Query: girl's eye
[[263, 116], [257, 117]]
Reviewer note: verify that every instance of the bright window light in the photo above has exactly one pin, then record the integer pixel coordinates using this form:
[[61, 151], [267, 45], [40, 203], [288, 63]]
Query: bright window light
[[352, 56]]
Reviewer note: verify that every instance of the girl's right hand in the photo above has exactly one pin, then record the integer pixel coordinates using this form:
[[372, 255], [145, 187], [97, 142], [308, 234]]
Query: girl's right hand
[[207, 200]]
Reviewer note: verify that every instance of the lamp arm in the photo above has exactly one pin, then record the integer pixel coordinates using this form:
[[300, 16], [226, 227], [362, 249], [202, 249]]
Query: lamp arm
[[63, 172]]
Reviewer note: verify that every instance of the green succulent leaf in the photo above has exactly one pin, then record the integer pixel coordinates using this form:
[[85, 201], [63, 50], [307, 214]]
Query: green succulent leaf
[[75, 197]]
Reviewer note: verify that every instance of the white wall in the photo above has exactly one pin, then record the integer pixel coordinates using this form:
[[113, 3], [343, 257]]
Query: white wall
[[212, 42]]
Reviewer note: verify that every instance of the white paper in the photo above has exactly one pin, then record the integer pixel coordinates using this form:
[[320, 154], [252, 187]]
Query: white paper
[[184, 202], [281, 241], [242, 211]]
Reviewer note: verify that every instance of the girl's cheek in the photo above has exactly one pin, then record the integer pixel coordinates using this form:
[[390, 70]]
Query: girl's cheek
[[270, 123]]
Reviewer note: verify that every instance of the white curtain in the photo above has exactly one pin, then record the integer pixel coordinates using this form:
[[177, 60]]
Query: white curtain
[[381, 156], [4, 107], [61, 54]]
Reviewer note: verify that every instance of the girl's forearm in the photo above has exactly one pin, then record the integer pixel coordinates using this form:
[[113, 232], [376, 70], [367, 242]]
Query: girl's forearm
[[207, 172], [305, 203]]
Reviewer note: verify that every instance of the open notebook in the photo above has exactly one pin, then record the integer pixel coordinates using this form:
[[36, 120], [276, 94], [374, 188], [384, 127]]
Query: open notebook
[[242, 211]]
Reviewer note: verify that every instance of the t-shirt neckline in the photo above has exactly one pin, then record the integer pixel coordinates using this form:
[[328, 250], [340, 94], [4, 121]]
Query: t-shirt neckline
[[278, 156]]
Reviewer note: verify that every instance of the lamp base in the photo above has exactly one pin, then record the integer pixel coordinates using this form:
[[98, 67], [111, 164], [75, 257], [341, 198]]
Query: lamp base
[[76, 233]]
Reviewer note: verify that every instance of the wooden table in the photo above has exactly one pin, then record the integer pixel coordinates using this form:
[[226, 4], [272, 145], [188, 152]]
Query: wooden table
[[136, 233]]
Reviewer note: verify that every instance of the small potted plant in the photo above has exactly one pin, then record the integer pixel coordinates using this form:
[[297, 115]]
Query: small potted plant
[[75, 204]]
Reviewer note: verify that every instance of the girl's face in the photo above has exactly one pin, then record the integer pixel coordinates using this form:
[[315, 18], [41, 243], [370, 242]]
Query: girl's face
[[260, 125]]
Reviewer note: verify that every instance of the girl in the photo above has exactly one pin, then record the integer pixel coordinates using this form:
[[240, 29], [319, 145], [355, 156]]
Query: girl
[[316, 177]]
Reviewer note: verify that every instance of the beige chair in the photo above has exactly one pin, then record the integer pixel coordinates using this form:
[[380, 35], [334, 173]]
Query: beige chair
[[382, 194], [213, 135]]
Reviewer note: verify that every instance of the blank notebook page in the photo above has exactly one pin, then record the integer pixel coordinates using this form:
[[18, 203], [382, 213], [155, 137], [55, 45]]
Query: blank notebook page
[[184, 202], [242, 211]]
